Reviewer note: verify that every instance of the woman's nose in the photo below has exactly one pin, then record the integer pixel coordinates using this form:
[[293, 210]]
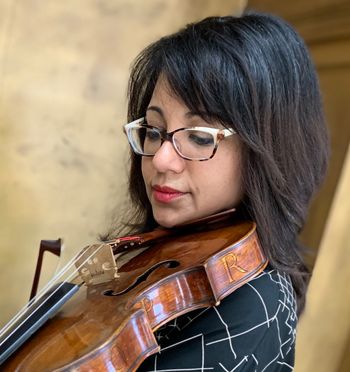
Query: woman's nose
[[167, 159]]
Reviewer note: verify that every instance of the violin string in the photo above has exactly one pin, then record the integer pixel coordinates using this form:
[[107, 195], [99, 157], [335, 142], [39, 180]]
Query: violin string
[[41, 293], [61, 273], [26, 308]]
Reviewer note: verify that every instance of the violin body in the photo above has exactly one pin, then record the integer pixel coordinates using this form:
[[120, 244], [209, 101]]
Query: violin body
[[112, 324]]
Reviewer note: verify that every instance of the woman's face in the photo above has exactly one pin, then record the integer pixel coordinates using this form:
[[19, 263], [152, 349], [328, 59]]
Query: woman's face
[[180, 190]]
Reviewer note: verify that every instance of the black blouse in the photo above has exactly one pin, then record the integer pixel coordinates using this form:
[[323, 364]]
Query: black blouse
[[253, 329]]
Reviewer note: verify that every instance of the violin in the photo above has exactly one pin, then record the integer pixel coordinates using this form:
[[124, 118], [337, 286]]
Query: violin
[[102, 314]]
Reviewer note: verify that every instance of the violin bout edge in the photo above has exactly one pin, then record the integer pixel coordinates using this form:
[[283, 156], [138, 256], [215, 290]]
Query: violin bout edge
[[236, 265]]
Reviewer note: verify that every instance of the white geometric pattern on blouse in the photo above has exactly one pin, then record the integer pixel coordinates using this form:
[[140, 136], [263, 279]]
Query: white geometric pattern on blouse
[[287, 303]]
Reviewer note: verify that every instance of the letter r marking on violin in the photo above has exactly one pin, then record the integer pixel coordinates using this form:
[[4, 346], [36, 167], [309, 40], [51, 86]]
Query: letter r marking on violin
[[231, 262]]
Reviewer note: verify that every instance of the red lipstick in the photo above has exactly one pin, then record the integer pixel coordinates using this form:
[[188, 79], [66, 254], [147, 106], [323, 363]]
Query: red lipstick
[[165, 194]]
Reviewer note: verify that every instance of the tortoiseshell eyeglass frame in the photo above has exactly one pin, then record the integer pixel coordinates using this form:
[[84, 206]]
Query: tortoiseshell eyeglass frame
[[218, 135]]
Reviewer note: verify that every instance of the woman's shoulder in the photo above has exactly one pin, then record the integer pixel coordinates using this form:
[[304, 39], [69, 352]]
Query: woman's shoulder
[[263, 308], [253, 308], [254, 325], [265, 297]]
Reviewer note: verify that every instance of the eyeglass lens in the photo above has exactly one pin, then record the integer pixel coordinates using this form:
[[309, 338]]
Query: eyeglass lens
[[190, 143]]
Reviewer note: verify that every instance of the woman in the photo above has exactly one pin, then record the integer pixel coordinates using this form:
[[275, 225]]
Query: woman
[[260, 145]]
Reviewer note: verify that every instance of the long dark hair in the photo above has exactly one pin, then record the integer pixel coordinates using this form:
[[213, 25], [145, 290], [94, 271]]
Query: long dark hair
[[252, 73]]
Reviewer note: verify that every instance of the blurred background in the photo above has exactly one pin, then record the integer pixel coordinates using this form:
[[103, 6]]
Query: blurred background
[[63, 73]]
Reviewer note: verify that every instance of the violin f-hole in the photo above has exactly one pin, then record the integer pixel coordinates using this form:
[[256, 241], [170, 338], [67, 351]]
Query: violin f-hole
[[170, 264]]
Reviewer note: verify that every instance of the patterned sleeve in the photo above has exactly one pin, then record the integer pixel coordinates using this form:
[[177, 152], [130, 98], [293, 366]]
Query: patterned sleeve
[[253, 329]]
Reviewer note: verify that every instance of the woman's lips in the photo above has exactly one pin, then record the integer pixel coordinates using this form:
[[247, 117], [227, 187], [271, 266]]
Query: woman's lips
[[165, 194]]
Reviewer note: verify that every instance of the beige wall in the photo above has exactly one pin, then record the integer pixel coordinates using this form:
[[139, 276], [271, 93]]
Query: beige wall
[[63, 75]]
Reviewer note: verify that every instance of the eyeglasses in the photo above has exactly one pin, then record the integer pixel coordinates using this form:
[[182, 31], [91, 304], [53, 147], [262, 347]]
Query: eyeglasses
[[196, 143]]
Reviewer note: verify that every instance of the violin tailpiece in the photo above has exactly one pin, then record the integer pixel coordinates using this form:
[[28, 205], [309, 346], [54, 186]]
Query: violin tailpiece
[[97, 264]]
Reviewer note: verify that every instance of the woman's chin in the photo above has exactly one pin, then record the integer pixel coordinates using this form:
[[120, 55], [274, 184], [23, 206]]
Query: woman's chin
[[169, 220], [168, 224]]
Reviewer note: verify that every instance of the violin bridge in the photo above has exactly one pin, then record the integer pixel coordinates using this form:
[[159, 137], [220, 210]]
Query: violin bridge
[[97, 265]]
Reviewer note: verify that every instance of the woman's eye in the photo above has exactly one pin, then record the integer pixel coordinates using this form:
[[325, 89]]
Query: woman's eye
[[201, 139], [152, 135]]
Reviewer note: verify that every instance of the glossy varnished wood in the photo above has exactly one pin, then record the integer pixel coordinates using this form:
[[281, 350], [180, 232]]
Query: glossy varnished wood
[[95, 331]]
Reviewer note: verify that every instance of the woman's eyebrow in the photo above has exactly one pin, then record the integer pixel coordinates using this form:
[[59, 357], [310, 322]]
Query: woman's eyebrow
[[188, 115], [196, 113], [201, 114], [156, 109]]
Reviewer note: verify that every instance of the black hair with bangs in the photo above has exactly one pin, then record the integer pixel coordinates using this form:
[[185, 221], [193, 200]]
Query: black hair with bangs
[[252, 73]]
